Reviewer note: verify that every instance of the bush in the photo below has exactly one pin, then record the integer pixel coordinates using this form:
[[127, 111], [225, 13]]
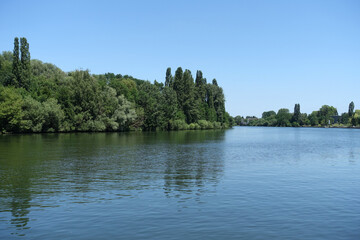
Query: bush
[[178, 125], [203, 124], [217, 125], [295, 124], [194, 126]]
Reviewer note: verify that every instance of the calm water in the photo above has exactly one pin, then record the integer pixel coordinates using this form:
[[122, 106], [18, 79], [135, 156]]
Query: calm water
[[242, 183]]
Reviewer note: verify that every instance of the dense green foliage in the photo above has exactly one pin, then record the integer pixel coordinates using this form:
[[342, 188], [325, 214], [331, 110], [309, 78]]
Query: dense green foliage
[[325, 116], [39, 97]]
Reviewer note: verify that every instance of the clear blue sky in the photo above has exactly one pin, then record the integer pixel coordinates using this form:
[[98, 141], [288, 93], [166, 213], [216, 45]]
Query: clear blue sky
[[265, 54]]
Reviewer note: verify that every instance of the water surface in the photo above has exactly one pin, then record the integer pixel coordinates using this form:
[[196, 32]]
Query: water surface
[[242, 183]]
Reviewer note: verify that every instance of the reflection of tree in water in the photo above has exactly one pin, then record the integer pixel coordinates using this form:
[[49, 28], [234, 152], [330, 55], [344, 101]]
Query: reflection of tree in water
[[20, 205], [18, 153], [15, 192], [76, 167], [193, 164], [121, 161]]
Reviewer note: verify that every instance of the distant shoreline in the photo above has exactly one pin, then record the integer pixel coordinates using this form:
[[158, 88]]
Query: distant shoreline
[[300, 126]]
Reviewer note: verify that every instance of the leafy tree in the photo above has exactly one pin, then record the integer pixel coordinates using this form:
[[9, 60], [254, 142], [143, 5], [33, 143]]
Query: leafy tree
[[304, 119], [46, 70], [54, 115], [268, 114], [125, 114], [159, 85], [313, 118], [65, 96], [10, 109], [6, 56], [34, 115], [42, 117], [283, 117], [229, 120], [238, 120], [150, 99], [268, 119], [6, 68], [325, 113], [126, 87], [42, 88], [345, 118], [354, 121], [86, 101]]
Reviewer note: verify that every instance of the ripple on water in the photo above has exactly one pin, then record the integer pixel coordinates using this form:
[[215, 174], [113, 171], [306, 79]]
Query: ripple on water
[[243, 183]]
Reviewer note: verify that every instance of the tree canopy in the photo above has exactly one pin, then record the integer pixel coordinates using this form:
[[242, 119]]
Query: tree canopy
[[40, 97]]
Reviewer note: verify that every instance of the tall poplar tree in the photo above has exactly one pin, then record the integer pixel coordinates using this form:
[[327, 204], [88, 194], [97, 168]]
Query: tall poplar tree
[[189, 107], [219, 103], [200, 94], [16, 68], [210, 96], [351, 109], [214, 82], [297, 114], [200, 83], [179, 86], [168, 78], [25, 64], [198, 79]]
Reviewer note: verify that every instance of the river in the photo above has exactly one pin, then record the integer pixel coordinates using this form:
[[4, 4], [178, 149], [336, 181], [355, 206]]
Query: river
[[242, 183]]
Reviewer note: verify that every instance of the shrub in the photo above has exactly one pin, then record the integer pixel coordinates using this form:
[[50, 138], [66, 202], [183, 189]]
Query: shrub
[[295, 124], [217, 125], [178, 125]]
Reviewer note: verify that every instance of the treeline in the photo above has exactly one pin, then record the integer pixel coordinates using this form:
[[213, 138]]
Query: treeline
[[39, 97], [325, 116]]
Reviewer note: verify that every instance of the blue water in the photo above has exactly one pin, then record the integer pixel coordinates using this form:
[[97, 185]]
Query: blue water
[[242, 183]]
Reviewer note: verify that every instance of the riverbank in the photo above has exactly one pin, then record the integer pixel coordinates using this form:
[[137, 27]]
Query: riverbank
[[201, 125]]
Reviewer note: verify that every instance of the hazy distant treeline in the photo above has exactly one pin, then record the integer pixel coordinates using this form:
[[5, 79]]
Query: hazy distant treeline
[[326, 115]]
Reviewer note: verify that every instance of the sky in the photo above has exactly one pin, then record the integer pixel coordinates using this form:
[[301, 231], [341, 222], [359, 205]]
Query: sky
[[266, 55]]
